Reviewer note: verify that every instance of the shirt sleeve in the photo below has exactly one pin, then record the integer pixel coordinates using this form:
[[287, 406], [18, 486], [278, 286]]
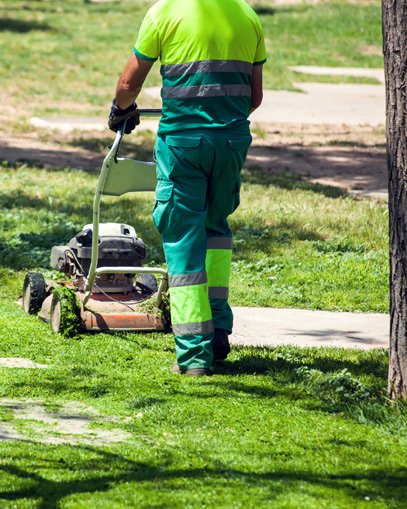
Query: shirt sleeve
[[260, 56], [147, 45]]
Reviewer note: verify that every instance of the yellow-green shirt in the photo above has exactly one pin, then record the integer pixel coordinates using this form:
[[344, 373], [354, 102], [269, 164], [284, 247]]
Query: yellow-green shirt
[[207, 49]]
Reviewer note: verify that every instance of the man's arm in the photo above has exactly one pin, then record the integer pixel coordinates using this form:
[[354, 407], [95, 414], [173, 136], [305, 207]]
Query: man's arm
[[131, 80], [257, 87]]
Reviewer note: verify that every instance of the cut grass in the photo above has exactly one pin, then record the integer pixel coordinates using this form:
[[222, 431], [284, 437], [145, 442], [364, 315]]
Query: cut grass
[[77, 50]]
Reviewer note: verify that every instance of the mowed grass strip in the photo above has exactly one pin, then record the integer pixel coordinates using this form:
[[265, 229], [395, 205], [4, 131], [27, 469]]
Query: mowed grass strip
[[66, 57]]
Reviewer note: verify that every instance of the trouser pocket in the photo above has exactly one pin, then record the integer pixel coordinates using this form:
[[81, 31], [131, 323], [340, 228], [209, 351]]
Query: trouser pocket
[[163, 204], [184, 155], [238, 152]]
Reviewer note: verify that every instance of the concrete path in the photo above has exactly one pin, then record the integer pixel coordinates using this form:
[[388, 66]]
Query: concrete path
[[272, 327], [320, 103], [324, 103], [359, 72]]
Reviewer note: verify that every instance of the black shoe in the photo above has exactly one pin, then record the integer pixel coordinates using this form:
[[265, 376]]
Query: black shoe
[[191, 372], [198, 372], [220, 345]]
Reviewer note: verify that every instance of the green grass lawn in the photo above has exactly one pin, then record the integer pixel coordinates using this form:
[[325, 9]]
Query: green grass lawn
[[280, 427], [296, 244], [66, 57]]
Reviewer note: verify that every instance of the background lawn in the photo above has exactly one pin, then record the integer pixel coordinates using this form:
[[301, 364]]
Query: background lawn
[[65, 57]]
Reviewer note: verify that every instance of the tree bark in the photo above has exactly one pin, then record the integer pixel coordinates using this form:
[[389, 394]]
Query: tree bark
[[395, 65]]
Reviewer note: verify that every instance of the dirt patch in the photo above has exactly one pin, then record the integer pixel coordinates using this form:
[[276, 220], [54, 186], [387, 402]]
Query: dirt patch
[[353, 159], [8, 433], [350, 157], [51, 153], [74, 423], [20, 362]]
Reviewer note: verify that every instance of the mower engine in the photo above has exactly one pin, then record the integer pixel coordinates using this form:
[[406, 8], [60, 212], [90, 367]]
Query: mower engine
[[118, 246]]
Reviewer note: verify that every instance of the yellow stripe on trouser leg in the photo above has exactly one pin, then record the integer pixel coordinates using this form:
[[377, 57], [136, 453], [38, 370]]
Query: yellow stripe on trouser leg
[[218, 263], [218, 267], [190, 306], [192, 325]]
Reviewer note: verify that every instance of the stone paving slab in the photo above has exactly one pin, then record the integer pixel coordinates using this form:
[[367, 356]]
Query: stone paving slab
[[273, 327]]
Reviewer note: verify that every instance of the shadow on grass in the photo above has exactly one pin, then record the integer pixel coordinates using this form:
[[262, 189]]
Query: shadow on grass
[[90, 471], [262, 237], [271, 361], [262, 10], [142, 150], [22, 27], [290, 181], [32, 249]]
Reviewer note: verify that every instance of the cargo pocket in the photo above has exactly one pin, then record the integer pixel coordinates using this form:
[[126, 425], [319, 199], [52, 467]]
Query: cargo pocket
[[184, 154], [238, 151], [239, 147], [163, 205], [236, 193]]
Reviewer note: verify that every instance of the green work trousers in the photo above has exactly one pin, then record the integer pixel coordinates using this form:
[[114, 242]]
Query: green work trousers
[[198, 187]]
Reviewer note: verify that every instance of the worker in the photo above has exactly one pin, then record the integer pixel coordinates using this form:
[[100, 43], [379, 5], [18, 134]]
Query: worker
[[212, 54]]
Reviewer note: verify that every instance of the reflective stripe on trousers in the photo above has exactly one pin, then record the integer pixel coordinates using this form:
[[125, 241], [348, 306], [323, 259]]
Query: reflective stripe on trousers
[[190, 309], [218, 260]]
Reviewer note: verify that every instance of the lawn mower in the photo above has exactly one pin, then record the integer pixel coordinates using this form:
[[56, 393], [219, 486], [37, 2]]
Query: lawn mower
[[103, 284]]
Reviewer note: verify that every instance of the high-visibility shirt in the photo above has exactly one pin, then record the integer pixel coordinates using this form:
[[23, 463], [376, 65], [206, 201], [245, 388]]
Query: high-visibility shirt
[[207, 49]]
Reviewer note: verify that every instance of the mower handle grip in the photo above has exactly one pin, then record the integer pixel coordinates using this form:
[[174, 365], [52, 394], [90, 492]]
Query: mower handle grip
[[150, 112]]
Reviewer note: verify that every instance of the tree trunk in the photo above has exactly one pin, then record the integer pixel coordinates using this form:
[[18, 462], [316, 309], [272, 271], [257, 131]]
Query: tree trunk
[[395, 64]]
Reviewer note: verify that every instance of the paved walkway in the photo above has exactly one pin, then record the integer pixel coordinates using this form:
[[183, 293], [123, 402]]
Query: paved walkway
[[272, 327]]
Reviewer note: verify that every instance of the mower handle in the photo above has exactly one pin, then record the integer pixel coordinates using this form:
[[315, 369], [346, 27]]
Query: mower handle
[[113, 152], [144, 112]]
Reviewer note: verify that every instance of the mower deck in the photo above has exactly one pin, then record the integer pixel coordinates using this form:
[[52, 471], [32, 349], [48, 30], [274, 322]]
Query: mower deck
[[114, 312]]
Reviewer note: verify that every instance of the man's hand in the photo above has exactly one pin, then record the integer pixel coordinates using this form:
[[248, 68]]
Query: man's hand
[[118, 117]]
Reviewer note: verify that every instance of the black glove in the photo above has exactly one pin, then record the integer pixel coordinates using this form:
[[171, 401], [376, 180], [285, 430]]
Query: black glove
[[117, 117]]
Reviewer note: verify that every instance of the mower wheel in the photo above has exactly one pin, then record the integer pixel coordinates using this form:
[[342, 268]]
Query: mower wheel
[[147, 283], [64, 313], [33, 292]]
